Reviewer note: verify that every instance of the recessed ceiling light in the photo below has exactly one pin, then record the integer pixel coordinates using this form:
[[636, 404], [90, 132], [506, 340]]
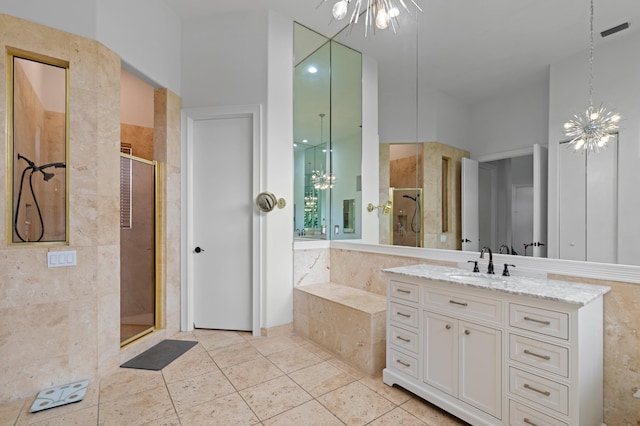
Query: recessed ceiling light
[[312, 69], [304, 141]]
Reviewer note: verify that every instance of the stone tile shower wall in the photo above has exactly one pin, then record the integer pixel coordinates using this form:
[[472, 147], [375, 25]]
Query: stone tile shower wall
[[63, 324]]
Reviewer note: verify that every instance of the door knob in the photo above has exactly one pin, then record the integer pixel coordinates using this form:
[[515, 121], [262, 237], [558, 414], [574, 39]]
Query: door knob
[[198, 249]]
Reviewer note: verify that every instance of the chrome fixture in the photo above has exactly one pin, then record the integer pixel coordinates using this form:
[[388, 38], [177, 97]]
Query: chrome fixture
[[490, 266], [505, 271], [590, 130], [382, 13]]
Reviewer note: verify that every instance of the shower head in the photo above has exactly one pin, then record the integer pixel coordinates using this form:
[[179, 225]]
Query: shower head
[[49, 176]]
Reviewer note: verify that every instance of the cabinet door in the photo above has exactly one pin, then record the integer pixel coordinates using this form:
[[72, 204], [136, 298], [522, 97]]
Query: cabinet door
[[481, 367], [441, 352]]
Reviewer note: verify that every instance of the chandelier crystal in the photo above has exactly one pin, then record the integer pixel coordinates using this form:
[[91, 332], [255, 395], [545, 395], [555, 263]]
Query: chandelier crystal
[[381, 13], [590, 130], [322, 180]]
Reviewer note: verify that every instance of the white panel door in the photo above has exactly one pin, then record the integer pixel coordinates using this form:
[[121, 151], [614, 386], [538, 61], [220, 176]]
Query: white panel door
[[470, 205], [522, 218], [441, 352], [222, 223], [572, 241], [540, 178]]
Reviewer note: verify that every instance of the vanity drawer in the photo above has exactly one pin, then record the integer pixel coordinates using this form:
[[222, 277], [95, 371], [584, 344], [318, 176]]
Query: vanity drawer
[[545, 356], [543, 321], [469, 305], [404, 291], [404, 339], [521, 415], [404, 363], [403, 314], [539, 390]]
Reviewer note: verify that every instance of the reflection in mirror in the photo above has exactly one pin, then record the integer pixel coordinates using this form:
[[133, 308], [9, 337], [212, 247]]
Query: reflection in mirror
[[406, 216], [38, 146], [348, 216], [327, 136]]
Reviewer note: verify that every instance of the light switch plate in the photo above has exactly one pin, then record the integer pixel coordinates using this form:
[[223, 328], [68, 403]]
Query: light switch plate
[[56, 259]]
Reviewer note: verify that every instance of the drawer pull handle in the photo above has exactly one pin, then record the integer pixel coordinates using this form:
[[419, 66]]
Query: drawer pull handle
[[545, 393], [448, 326], [404, 339], [458, 303], [537, 320], [401, 290], [545, 357], [406, 364], [529, 422], [402, 314]]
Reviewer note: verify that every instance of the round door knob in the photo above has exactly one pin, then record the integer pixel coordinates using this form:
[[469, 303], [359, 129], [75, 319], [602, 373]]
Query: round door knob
[[198, 249], [448, 326], [467, 332]]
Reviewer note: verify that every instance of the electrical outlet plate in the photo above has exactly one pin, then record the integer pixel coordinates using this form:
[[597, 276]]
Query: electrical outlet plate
[[56, 259]]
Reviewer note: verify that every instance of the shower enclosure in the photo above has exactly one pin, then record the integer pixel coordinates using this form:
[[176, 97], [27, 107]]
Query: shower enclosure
[[406, 217], [138, 276]]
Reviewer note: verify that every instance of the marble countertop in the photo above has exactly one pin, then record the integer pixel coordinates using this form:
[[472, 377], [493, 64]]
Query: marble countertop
[[555, 290]]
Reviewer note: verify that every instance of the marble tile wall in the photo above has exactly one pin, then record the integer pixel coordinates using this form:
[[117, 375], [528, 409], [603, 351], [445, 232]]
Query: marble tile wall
[[63, 324]]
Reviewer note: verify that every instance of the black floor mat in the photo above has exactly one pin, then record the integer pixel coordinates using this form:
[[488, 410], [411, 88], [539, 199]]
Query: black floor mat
[[159, 356]]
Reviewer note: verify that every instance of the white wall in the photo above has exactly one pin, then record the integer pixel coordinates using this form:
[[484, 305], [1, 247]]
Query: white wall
[[154, 50], [514, 119], [74, 16], [617, 85]]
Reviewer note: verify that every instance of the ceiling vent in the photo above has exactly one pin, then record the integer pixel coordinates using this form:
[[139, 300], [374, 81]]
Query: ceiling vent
[[614, 30]]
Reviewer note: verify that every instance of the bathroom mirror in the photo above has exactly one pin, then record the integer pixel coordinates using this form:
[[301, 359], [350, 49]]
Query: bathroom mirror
[[327, 137], [507, 121], [38, 140]]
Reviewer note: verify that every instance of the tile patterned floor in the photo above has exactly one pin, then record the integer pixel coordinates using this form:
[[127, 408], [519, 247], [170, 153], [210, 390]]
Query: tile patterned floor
[[233, 378]]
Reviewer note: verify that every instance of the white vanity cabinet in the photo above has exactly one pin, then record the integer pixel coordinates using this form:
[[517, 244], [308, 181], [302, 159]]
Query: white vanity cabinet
[[508, 351]]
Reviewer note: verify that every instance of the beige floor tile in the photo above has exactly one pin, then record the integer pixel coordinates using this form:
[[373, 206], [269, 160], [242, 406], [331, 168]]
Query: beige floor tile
[[86, 416], [200, 389], [321, 378], [10, 411], [395, 394], [251, 373], [317, 350], [128, 381], [234, 354], [294, 359], [355, 404], [270, 345], [226, 410], [170, 420], [430, 414], [274, 397], [297, 339], [310, 413], [195, 362], [397, 417], [136, 409], [346, 368], [220, 339]]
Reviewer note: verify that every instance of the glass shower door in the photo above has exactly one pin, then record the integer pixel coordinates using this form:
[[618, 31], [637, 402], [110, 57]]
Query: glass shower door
[[138, 311]]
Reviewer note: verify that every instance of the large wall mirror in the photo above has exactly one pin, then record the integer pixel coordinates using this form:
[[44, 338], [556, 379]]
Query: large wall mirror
[[445, 96], [327, 138], [38, 135]]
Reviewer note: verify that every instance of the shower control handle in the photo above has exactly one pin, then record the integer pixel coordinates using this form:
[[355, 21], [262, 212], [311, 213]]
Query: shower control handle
[[198, 249]]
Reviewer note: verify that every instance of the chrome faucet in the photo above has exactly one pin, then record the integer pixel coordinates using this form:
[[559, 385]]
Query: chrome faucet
[[506, 248], [490, 266]]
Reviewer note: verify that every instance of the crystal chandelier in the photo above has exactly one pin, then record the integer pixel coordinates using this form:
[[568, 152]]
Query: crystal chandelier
[[319, 178], [382, 13], [590, 130]]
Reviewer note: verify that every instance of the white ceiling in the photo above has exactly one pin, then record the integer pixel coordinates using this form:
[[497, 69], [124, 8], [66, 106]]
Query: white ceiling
[[469, 49]]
